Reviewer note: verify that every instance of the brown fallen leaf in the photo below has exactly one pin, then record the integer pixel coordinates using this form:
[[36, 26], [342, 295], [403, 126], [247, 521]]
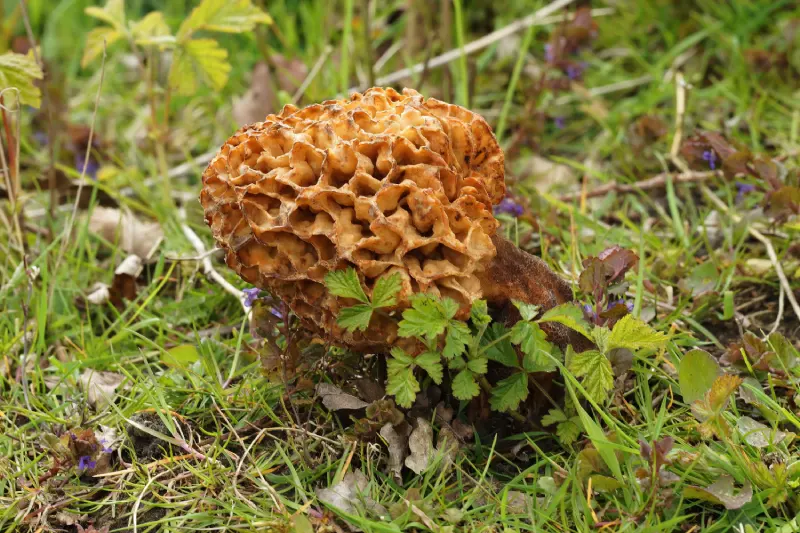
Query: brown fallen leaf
[[398, 449], [350, 495], [335, 399], [260, 99], [421, 445], [100, 386], [124, 228]]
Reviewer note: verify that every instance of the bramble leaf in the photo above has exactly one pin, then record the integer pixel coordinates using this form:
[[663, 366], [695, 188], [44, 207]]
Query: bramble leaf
[[431, 363], [527, 311], [196, 61], [95, 40], [152, 29], [228, 16], [595, 368], [112, 13], [509, 392], [345, 283], [401, 383], [458, 336], [553, 416], [464, 385], [532, 341], [449, 307], [568, 431], [401, 356], [20, 71], [478, 366], [569, 315], [501, 351], [355, 318], [634, 334], [385, 292], [425, 318], [479, 313]]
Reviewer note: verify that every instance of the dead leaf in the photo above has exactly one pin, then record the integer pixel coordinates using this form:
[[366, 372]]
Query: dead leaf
[[123, 227], [350, 495], [518, 502], [369, 389], [99, 294], [68, 519], [100, 386], [334, 399], [260, 99], [421, 444], [757, 434], [721, 492], [398, 448], [545, 174]]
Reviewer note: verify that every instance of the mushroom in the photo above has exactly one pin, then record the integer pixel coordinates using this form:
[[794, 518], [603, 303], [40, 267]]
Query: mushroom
[[384, 182]]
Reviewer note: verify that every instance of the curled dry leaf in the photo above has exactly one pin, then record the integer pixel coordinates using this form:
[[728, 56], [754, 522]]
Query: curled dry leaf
[[722, 492], [123, 227], [100, 386], [398, 448], [350, 495], [335, 399], [421, 444]]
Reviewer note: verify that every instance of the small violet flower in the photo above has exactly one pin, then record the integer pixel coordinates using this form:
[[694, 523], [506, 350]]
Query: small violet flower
[[106, 449], [629, 305], [85, 463], [575, 71], [559, 122], [711, 157], [250, 296], [742, 189], [509, 207], [91, 167], [548, 53]]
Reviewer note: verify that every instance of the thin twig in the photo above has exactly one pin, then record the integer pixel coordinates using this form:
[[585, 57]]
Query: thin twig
[[539, 18], [656, 182], [773, 257], [779, 317], [208, 268]]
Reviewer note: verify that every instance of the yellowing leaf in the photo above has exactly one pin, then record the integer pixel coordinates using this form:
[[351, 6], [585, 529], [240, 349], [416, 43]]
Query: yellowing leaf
[[229, 16], [151, 29], [95, 40], [113, 13], [196, 61], [696, 374], [20, 71], [633, 334], [569, 315], [595, 368]]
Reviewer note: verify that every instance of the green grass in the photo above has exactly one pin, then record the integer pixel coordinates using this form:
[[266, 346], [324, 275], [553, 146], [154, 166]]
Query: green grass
[[210, 437]]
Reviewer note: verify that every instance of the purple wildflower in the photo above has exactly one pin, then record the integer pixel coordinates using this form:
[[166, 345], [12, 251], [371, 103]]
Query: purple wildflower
[[614, 303], [588, 310], [711, 157], [574, 72], [250, 296], [106, 449], [91, 167], [548, 53], [41, 138], [85, 463], [559, 122], [742, 189], [509, 207]]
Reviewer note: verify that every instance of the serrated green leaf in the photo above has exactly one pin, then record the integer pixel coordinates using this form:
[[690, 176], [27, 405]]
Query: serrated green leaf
[[533, 343], [568, 431], [151, 29], [229, 16], [401, 384], [385, 292], [600, 335], [449, 307], [199, 61], [457, 363], [20, 71], [501, 351], [457, 339], [431, 363], [553, 416], [509, 392], [464, 385], [569, 315], [345, 283], [479, 313], [424, 318], [527, 311], [401, 356], [112, 13], [634, 334], [355, 318], [595, 368], [478, 366], [96, 40]]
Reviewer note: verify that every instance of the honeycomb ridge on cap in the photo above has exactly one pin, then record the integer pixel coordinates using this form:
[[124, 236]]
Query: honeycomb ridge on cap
[[385, 182]]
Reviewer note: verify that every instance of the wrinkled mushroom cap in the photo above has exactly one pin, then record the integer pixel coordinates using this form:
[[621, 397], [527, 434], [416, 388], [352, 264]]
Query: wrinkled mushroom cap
[[384, 182]]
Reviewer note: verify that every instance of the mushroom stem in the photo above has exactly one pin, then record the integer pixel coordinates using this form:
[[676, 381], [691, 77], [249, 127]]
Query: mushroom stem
[[517, 275]]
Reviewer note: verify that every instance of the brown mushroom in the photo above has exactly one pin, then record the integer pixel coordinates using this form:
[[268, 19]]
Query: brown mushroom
[[384, 182]]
